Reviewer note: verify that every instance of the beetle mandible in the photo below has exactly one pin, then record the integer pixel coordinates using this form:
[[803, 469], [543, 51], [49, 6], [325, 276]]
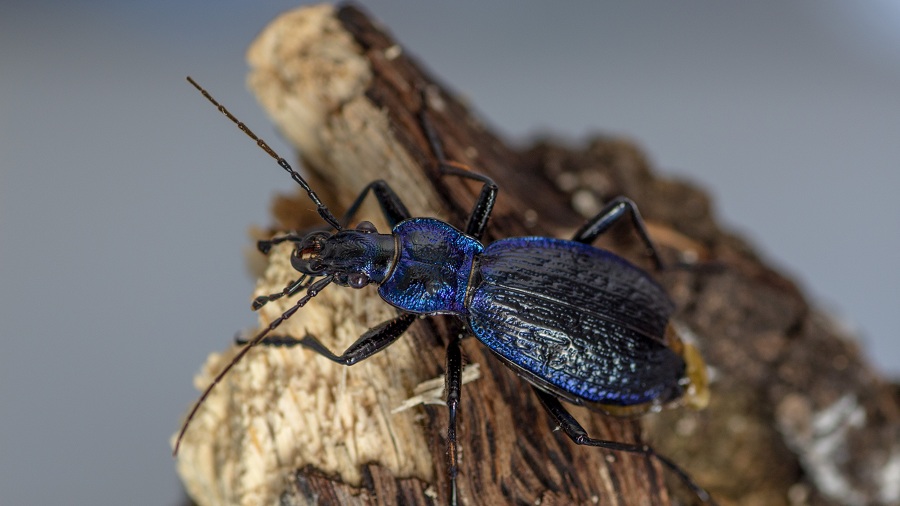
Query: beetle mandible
[[578, 323]]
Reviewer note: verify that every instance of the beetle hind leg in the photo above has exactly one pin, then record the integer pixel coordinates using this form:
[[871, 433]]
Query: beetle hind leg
[[608, 216], [579, 436]]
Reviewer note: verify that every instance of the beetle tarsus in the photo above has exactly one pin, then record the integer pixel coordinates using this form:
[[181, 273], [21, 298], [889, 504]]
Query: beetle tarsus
[[579, 436]]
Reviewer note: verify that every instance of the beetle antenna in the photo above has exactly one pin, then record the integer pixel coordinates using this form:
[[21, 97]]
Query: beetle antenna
[[311, 292], [320, 207]]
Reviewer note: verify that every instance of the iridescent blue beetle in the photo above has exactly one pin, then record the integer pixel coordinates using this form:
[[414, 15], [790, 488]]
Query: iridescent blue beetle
[[579, 323]]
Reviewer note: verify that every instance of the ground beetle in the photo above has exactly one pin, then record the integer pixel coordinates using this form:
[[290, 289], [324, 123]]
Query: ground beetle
[[579, 323]]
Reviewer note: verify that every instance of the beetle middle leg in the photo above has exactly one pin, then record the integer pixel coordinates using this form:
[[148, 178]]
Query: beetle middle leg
[[579, 436], [452, 384], [609, 215]]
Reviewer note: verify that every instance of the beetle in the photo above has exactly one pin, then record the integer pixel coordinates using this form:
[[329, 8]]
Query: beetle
[[580, 324]]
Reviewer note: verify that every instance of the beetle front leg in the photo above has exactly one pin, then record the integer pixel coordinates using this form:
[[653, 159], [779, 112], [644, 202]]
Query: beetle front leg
[[265, 245], [292, 288], [579, 436], [481, 212], [374, 340], [609, 215], [391, 206]]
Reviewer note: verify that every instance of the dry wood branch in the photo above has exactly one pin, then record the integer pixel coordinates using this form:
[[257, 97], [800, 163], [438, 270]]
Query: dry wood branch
[[289, 425]]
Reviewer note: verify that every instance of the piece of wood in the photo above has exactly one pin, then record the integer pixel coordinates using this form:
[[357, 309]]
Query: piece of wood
[[288, 425]]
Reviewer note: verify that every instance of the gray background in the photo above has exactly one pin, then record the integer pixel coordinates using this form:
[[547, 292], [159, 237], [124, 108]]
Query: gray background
[[125, 200]]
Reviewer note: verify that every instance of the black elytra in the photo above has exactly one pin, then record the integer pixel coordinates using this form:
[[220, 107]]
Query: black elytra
[[579, 323]]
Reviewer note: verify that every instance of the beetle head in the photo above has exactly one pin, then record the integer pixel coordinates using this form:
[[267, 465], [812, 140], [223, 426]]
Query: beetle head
[[355, 257]]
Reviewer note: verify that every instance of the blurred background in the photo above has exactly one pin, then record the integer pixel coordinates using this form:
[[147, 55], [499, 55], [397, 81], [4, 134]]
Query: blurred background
[[125, 199]]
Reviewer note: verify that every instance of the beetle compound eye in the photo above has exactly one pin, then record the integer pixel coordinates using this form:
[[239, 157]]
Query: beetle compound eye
[[357, 280], [367, 227]]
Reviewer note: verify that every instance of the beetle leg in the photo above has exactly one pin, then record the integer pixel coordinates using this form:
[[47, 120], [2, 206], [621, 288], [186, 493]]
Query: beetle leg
[[579, 436], [616, 209], [265, 245], [374, 340], [452, 384], [292, 288], [393, 208], [481, 212]]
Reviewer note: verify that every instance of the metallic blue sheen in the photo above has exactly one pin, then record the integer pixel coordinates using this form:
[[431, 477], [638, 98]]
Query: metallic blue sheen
[[432, 270], [576, 319]]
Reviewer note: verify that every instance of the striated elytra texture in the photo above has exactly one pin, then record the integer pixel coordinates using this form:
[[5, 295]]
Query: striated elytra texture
[[578, 316]]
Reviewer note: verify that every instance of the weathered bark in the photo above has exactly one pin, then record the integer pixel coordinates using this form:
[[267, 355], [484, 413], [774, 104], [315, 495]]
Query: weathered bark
[[796, 415]]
